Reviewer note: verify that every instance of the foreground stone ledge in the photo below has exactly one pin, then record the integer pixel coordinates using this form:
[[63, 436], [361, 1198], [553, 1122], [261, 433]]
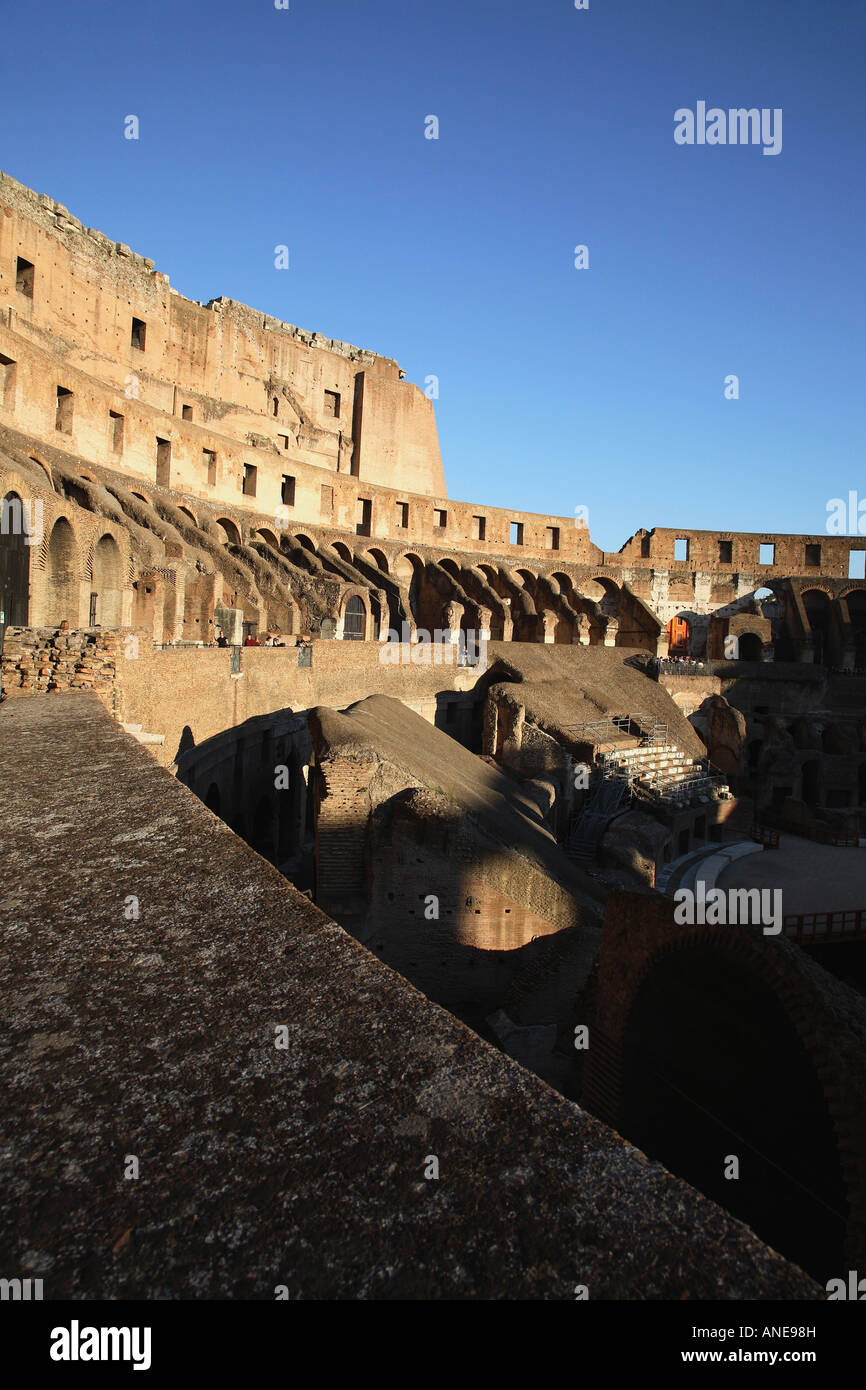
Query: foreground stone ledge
[[260, 1167]]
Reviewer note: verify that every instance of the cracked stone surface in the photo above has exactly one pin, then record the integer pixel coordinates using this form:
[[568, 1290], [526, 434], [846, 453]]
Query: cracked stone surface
[[259, 1166]]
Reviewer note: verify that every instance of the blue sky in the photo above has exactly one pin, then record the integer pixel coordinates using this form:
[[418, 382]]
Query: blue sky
[[559, 387]]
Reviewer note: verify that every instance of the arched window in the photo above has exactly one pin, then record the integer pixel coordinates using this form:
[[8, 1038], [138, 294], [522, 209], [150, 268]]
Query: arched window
[[14, 563], [355, 620]]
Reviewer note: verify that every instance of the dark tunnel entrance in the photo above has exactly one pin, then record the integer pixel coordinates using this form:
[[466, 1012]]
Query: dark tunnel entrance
[[714, 1067]]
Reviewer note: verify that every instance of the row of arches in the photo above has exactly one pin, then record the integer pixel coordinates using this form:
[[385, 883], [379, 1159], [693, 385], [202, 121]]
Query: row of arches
[[62, 595]]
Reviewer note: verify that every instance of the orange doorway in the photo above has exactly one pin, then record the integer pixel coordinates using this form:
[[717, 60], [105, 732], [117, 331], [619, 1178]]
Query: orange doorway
[[678, 636]]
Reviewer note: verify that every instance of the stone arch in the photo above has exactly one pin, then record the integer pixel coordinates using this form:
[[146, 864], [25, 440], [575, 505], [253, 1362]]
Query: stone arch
[[88, 476], [141, 497], [589, 587], [450, 565], [306, 541], [230, 533], [787, 1076], [749, 646], [187, 511], [14, 563], [34, 458], [62, 598], [409, 573], [264, 533], [378, 558], [856, 603], [564, 581], [817, 603], [343, 551], [106, 594]]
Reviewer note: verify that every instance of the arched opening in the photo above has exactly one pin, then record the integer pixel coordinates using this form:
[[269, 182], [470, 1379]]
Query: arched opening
[[856, 601], [678, 634], [451, 566], [269, 537], [343, 551], [212, 799], [106, 594], [379, 559], [354, 619], [14, 564], [409, 571], [715, 1069], [141, 497], [749, 648], [306, 542], [810, 773], [817, 606], [188, 514], [62, 575], [228, 532]]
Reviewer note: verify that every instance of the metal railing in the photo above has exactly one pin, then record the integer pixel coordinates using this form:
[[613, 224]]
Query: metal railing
[[815, 927], [765, 835], [646, 727], [821, 834]]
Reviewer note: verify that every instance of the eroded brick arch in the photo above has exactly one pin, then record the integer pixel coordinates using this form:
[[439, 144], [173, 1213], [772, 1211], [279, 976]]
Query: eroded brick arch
[[640, 936]]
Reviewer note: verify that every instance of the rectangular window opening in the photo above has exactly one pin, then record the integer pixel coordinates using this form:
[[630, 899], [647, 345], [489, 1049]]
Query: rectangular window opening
[[115, 425], [163, 462], [186, 412], [139, 334], [857, 564], [681, 548], [726, 552], [8, 373], [65, 407], [645, 547], [440, 518], [403, 516], [813, 557], [287, 491], [515, 533], [363, 516], [767, 553], [208, 458], [283, 441], [248, 486], [25, 277], [332, 404], [552, 538], [479, 528]]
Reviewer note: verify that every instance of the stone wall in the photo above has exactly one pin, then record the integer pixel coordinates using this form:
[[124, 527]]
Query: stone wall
[[42, 660]]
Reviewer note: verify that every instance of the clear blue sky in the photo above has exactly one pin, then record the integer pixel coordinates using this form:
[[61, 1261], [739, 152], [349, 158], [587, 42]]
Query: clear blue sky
[[558, 387]]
